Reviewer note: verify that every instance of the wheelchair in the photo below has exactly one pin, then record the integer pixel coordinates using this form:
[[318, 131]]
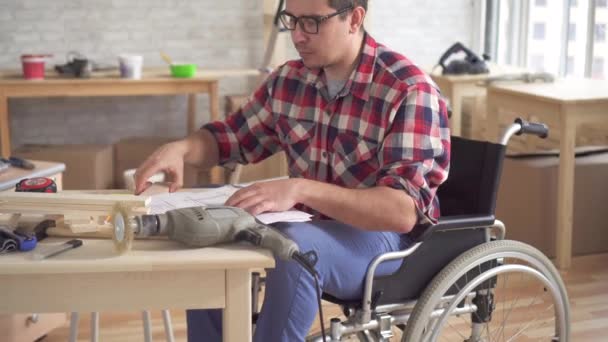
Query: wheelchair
[[461, 280]]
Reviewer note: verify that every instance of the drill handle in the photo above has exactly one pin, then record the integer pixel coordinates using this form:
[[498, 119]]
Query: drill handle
[[269, 238]]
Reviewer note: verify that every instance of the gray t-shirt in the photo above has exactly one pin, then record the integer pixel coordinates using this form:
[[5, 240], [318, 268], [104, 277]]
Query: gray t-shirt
[[334, 87]]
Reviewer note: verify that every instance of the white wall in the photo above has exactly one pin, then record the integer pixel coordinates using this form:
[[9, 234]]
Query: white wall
[[215, 34], [422, 30]]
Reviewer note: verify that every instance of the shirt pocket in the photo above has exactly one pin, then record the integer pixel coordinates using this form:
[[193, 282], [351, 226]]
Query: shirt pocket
[[296, 137], [355, 160]]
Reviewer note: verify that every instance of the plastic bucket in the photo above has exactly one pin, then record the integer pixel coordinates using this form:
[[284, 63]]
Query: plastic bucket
[[33, 66]]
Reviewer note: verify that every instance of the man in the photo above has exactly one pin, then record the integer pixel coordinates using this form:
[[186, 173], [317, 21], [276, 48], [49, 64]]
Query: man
[[365, 133]]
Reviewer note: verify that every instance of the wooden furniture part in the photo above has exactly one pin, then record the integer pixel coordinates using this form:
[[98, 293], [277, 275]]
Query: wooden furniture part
[[155, 81], [574, 103], [29, 327], [456, 87], [154, 275], [12, 176]]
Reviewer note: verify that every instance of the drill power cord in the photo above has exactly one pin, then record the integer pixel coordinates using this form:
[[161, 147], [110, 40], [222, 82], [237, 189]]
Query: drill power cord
[[307, 261]]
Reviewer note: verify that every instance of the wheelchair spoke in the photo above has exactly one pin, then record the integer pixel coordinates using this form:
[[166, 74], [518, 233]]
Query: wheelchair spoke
[[532, 306]]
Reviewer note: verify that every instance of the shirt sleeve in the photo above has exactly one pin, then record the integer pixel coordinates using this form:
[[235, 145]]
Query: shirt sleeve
[[415, 153], [248, 135]]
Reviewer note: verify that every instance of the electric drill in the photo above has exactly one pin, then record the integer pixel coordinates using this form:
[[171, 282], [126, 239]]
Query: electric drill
[[207, 226], [201, 227]]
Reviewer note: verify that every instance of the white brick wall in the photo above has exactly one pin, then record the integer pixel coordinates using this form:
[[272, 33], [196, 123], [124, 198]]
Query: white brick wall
[[212, 33], [422, 30]]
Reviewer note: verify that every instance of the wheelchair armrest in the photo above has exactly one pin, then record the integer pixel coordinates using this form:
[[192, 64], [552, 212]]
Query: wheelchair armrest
[[458, 222]]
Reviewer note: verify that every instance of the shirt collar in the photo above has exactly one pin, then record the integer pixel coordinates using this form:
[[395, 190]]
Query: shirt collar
[[360, 79]]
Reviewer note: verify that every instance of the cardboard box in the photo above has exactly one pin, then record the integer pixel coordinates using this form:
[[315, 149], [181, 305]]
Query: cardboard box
[[21, 328], [87, 166], [129, 153], [527, 203], [272, 167]]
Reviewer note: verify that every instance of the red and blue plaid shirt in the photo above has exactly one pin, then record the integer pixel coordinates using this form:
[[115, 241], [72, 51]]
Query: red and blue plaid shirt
[[388, 126]]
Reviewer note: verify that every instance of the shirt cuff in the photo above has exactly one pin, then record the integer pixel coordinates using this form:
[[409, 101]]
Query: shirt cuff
[[422, 211]]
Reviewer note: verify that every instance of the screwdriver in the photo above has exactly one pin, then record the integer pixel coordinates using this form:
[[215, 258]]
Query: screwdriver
[[54, 250]]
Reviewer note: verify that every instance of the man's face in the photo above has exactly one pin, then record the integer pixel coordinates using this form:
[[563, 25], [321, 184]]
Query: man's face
[[324, 48]]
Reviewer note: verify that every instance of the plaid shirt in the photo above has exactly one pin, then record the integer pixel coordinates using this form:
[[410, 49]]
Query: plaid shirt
[[388, 126]]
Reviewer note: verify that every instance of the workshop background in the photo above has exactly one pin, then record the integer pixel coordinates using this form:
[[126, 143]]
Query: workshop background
[[227, 34], [94, 142]]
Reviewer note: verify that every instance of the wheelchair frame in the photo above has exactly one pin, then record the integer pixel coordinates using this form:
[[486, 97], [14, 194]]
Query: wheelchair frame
[[373, 321]]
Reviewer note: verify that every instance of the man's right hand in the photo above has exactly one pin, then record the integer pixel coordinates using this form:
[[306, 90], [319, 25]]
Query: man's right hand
[[198, 149], [169, 159]]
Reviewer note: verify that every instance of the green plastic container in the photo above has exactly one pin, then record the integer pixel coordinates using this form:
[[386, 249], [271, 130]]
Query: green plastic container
[[183, 70]]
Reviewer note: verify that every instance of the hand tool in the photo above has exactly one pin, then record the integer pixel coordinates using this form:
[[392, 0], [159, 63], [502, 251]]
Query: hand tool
[[201, 227], [14, 241], [207, 226], [19, 162], [38, 184], [50, 250], [23, 239]]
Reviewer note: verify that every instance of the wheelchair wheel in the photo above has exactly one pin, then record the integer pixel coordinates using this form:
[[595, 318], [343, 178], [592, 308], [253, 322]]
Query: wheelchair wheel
[[498, 291]]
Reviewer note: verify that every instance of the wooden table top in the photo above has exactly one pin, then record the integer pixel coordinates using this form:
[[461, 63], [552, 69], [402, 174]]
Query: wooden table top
[[561, 91], [495, 71], [99, 255], [13, 175], [156, 74], [8, 77]]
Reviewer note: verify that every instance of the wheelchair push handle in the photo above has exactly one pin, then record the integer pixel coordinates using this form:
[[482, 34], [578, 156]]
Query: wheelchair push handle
[[539, 129], [521, 126]]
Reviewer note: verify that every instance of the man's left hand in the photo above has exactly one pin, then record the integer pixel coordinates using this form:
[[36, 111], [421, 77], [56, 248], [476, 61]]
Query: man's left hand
[[277, 195]]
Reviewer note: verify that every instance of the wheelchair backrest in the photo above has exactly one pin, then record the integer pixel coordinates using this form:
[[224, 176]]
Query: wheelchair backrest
[[472, 184]]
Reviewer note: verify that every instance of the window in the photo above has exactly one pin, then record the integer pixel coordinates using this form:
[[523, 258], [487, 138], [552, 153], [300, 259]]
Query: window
[[539, 31], [597, 71], [572, 32], [562, 37], [537, 62], [600, 32], [570, 66]]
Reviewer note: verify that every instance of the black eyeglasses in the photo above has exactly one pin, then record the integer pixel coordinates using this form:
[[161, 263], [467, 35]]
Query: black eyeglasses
[[308, 23]]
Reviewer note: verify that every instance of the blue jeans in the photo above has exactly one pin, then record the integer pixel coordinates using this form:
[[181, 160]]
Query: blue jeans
[[290, 304]]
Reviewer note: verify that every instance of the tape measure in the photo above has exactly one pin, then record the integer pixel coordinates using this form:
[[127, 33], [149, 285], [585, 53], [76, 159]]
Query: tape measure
[[39, 184]]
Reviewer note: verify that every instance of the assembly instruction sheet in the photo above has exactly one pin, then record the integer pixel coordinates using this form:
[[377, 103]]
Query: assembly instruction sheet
[[216, 196]]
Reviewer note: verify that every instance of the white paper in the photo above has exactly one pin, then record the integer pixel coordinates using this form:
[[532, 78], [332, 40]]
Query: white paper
[[216, 196], [284, 216]]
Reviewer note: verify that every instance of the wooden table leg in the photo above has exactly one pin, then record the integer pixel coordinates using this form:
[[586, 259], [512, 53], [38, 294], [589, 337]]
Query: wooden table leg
[[5, 134], [237, 314], [491, 131], [565, 191], [217, 176], [191, 123], [456, 119]]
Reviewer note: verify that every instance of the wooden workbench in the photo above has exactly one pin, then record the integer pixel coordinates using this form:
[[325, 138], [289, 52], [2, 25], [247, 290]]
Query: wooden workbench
[[571, 103], [155, 81], [456, 87], [156, 274]]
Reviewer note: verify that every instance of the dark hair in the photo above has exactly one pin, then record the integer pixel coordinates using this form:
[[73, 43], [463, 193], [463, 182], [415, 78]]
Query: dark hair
[[339, 4]]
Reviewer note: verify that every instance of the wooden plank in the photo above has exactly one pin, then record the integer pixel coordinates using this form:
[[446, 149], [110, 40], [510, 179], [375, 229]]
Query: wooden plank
[[73, 198]]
